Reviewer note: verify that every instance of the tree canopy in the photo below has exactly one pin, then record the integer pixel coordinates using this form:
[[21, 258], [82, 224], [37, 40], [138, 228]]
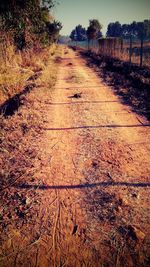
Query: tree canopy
[[29, 20], [78, 34], [135, 29], [114, 29], [94, 29]]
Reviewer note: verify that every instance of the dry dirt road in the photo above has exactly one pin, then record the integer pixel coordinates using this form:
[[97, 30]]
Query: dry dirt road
[[94, 202]]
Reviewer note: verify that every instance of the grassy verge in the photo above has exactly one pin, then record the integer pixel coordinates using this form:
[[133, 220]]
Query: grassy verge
[[20, 145], [20, 68]]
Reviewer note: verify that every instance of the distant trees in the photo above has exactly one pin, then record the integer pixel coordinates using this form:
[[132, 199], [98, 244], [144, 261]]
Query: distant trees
[[135, 30], [29, 21], [64, 39], [92, 32], [78, 34], [114, 29], [53, 30], [143, 31], [94, 29]]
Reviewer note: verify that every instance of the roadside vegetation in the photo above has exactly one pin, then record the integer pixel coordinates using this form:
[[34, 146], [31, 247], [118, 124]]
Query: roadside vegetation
[[28, 37], [20, 148], [130, 82], [28, 57]]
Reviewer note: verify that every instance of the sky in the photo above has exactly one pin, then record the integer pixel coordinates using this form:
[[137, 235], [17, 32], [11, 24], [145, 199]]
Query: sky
[[73, 12]]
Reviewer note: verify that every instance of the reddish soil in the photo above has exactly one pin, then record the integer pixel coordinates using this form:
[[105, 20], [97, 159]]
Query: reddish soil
[[92, 188]]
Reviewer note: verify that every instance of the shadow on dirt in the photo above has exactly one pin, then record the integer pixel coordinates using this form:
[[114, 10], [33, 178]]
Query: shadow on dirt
[[9, 107], [96, 127], [77, 95], [80, 186], [130, 82]]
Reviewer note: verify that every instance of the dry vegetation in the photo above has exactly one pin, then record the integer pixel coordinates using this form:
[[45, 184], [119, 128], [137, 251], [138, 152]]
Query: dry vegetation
[[75, 77], [130, 82], [17, 68], [19, 134], [121, 52]]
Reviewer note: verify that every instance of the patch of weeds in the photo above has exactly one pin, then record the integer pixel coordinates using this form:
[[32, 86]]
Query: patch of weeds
[[103, 205], [75, 77]]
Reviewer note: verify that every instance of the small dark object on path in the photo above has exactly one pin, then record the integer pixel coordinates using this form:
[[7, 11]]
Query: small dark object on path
[[94, 164], [74, 229], [58, 60], [77, 95]]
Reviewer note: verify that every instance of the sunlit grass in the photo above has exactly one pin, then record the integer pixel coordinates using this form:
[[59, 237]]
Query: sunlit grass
[[17, 68], [18, 133], [75, 77]]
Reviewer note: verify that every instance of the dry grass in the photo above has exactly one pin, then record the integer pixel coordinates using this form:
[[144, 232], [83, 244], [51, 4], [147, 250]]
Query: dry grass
[[75, 77], [21, 160], [17, 68], [18, 133], [123, 54]]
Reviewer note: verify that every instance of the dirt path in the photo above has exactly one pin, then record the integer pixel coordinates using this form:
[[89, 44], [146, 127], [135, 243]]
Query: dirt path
[[94, 194]]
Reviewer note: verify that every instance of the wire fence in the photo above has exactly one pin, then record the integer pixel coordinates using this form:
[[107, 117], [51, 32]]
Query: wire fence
[[128, 50]]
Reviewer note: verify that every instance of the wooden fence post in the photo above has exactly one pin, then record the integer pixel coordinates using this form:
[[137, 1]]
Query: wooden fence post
[[130, 50], [141, 52], [88, 45]]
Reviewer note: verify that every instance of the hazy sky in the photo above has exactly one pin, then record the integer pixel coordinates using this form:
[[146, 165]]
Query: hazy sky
[[74, 12]]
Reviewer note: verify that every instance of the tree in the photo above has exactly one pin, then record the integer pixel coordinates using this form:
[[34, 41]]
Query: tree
[[29, 21], [114, 29], [147, 28], [48, 3], [54, 29], [94, 29], [143, 31], [78, 34], [129, 30], [139, 30]]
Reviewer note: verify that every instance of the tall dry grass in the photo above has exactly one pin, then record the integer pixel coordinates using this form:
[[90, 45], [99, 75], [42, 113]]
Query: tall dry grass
[[17, 67], [19, 133]]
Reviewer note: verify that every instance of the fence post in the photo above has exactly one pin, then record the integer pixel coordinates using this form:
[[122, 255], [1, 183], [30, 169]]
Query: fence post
[[121, 48], [88, 45], [141, 52], [130, 50]]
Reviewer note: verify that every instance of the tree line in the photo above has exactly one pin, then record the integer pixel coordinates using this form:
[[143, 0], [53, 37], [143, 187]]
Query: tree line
[[134, 29], [139, 30], [92, 32], [29, 22]]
